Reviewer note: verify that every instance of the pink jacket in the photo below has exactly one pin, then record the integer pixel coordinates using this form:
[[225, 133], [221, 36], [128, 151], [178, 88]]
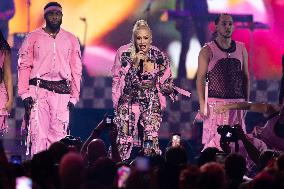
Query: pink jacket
[[50, 59], [119, 71]]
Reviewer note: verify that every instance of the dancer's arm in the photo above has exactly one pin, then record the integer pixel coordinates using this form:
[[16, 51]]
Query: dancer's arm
[[8, 80], [264, 108], [203, 60]]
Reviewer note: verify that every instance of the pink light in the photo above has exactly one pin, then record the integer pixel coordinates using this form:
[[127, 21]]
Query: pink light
[[98, 60]]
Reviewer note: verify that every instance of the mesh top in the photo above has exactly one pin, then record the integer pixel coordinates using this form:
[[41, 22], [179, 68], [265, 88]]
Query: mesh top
[[226, 80]]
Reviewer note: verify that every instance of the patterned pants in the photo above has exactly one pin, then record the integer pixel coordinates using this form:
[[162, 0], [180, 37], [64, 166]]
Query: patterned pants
[[127, 119]]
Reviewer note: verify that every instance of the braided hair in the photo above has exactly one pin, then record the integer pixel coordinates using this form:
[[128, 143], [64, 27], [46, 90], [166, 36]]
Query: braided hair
[[4, 46]]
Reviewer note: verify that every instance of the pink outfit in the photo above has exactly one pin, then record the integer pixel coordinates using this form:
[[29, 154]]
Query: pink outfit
[[138, 98], [225, 86], [4, 99], [42, 56], [119, 71]]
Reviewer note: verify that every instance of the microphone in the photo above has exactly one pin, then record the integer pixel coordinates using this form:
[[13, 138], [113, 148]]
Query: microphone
[[140, 71], [83, 19], [148, 8], [141, 66]]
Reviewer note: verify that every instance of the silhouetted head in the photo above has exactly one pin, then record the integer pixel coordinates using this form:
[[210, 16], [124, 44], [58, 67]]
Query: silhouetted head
[[212, 176], [208, 155], [176, 156], [235, 166], [96, 149], [58, 150], [71, 171]]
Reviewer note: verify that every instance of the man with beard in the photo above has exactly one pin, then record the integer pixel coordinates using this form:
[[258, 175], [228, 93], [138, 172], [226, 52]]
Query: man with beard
[[49, 69], [222, 78]]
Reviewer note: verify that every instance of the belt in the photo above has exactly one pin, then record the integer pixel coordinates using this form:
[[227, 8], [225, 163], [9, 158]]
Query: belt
[[60, 87]]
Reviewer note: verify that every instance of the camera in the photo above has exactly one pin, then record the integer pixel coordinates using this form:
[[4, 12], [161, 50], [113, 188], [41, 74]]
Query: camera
[[70, 140], [228, 133]]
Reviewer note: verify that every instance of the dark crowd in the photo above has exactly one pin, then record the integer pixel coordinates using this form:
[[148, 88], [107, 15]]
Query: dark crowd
[[71, 164]]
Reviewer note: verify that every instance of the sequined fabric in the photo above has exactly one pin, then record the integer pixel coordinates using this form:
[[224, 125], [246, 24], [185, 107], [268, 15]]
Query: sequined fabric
[[60, 87], [139, 103], [226, 85], [226, 80]]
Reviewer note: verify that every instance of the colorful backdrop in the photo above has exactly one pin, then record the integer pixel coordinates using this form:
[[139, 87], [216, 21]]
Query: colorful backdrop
[[105, 25]]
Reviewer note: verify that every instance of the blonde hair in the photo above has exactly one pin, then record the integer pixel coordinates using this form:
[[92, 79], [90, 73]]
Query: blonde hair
[[139, 24]]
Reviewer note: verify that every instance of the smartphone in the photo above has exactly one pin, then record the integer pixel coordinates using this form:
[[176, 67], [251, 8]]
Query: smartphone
[[148, 144], [123, 173], [175, 140], [109, 120], [148, 147], [16, 159], [23, 183]]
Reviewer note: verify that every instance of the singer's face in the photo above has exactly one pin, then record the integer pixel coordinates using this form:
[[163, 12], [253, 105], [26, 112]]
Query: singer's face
[[225, 26], [143, 39]]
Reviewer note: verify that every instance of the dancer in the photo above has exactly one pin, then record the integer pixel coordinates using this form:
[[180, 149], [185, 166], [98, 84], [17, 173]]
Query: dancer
[[141, 80], [222, 77], [6, 83], [50, 70]]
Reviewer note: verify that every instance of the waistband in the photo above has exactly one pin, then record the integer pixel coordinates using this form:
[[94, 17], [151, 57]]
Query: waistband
[[60, 87]]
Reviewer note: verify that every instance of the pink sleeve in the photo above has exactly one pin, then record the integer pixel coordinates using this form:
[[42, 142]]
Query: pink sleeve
[[25, 62], [76, 71], [166, 76], [167, 72], [115, 79]]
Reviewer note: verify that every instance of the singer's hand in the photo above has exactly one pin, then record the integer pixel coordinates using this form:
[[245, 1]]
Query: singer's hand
[[140, 56]]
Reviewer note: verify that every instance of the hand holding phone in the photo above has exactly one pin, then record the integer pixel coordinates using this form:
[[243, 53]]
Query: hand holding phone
[[175, 140], [23, 183], [109, 120], [123, 173], [16, 159], [148, 147]]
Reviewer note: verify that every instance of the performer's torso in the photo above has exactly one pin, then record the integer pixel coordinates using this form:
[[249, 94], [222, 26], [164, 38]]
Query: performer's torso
[[225, 72], [51, 56], [141, 86]]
